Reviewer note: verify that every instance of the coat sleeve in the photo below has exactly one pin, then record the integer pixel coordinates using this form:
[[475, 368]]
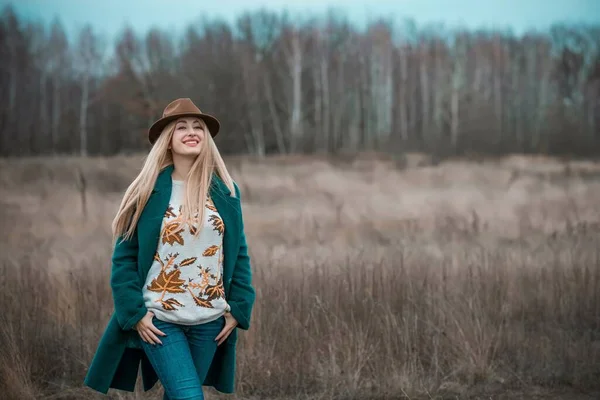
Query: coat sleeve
[[241, 292], [125, 283]]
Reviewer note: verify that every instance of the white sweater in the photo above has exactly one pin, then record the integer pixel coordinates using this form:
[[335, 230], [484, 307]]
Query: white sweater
[[185, 282]]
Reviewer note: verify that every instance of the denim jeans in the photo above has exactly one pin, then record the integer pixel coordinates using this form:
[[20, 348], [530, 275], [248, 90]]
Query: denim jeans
[[183, 359]]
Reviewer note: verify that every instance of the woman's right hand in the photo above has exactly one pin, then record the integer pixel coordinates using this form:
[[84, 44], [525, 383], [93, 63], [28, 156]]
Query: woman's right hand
[[147, 330]]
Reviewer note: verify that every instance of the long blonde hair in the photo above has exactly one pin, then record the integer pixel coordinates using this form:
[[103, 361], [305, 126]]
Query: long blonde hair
[[197, 182]]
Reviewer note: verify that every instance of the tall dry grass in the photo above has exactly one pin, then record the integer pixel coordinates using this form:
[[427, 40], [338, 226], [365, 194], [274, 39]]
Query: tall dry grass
[[375, 280]]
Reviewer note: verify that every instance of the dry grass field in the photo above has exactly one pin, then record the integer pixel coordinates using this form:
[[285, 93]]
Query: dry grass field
[[376, 278]]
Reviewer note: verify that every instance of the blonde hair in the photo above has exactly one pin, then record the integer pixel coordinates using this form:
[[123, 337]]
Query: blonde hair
[[197, 182]]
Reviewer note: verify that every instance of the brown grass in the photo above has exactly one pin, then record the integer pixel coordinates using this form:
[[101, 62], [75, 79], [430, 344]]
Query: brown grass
[[376, 279]]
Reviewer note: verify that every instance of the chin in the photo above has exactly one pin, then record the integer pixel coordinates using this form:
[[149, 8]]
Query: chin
[[190, 153]]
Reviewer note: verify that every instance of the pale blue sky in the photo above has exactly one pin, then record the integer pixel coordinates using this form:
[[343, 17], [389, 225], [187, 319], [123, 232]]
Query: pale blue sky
[[109, 16]]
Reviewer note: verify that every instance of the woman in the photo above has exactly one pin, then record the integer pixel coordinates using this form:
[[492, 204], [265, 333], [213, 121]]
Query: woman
[[180, 288]]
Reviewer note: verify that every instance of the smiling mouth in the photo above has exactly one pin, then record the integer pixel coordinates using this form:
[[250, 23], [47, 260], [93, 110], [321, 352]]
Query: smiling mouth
[[191, 143]]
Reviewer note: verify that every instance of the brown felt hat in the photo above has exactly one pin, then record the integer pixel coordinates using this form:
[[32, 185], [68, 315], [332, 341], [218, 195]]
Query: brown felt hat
[[182, 108]]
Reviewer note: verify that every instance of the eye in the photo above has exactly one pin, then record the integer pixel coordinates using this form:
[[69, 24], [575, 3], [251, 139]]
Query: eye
[[181, 127], [198, 127]]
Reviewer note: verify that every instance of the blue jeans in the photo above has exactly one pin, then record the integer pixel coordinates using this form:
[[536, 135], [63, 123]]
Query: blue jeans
[[183, 359]]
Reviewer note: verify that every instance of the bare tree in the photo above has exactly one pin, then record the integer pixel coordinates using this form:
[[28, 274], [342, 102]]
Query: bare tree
[[280, 85], [89, 65], [258, 32], [59, 66], [295, 63]]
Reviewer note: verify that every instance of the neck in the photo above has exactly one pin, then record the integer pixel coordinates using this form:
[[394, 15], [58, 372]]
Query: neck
[[182, 166]]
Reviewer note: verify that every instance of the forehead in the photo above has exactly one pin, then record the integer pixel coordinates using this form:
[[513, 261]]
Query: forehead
[[188, 120]]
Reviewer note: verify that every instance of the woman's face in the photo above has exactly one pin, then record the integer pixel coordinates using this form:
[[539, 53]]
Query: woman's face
[[188, 136]]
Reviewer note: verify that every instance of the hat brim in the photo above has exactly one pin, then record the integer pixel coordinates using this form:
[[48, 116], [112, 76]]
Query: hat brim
[[156, 129]]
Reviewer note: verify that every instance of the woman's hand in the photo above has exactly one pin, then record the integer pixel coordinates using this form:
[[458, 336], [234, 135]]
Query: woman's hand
[[230, 323], [147, 330]]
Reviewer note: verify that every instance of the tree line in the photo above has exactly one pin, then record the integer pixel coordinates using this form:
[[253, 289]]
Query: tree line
[[281, 85]]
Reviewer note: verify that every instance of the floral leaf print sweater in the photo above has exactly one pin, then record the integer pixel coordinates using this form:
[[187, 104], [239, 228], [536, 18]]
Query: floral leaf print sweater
[[185, 282]]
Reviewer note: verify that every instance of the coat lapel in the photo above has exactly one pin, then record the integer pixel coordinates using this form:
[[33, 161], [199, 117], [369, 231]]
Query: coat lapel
[[151, 220], [150, 223], [229, 209]]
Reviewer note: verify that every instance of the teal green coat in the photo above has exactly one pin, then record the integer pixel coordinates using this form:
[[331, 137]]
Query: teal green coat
[[119, 353]]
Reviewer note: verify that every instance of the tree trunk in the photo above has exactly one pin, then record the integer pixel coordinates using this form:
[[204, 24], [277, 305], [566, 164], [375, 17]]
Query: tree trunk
[[83, 111], [55, 113], [296, 69], [279, 137], [401, 98], [326, 112]]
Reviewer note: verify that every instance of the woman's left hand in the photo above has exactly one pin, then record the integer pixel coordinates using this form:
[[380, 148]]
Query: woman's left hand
[[230, 324]]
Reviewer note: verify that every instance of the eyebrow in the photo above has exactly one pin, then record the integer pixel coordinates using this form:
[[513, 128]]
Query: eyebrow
[[183, 122]]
